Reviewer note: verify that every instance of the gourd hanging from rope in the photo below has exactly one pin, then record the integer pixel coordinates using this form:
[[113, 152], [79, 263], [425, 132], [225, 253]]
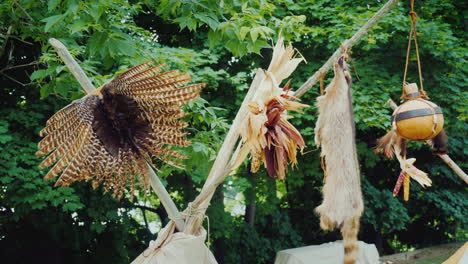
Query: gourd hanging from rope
[[416, 119]]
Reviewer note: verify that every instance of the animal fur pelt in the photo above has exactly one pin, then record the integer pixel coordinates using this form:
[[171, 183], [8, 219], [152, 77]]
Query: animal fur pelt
[[342, 204], [109, 135], [439, 143]]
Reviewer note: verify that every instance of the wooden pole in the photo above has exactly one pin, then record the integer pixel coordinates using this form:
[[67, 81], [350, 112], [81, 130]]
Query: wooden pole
[[156, 184], [166, 200], [219, 171], [72, 65], [346, 45], [446, 158]]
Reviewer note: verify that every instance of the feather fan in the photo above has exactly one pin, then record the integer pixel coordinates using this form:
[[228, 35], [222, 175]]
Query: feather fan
[[342, 204], [109, 135]]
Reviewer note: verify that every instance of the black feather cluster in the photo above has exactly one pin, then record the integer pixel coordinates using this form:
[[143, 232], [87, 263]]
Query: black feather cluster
[[118, 123]]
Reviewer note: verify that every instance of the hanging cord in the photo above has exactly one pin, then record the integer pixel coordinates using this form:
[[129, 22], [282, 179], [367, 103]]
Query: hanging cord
[[412, 34], [346, 51], [324, 168], [354, 67], [322, 77]]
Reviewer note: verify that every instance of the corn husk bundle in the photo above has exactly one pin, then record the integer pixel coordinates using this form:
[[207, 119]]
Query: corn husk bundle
[[342, 204], [395, 146], [266, 134]]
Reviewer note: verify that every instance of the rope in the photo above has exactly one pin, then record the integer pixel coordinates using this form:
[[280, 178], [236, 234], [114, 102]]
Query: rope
[[412, 35], [154, 247], [355, 70], [324, 168], [322, 77], [197, 213], [434, 119]]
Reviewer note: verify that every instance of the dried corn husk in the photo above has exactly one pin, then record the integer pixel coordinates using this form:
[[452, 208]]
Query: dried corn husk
[[394, 145], [266, 134], [409, 171]]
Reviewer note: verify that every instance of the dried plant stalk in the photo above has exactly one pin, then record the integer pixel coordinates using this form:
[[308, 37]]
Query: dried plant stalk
[[406, 187], [267, 135]]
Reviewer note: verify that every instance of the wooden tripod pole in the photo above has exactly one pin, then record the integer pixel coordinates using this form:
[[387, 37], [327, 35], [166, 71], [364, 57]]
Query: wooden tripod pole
[[156, 184], [346, 45], [446, 158]]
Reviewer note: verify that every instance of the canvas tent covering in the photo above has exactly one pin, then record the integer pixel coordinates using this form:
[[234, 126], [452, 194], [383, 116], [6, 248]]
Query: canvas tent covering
[[328, 253], [177, 248]]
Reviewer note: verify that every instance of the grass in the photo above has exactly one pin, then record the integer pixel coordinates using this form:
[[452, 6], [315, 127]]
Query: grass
[[431, 255], [436, 260]]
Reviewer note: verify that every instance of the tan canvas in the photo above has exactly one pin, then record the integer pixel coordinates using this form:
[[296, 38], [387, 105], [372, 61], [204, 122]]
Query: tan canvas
[[328, 253], [177, 248]]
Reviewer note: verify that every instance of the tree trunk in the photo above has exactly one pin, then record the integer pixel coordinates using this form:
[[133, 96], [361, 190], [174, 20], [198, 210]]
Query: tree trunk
[[250, 213], [219, 244], [250, 197]]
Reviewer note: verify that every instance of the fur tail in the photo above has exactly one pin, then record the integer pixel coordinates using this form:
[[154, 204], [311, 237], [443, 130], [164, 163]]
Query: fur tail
[[349, 231], [439, 143], [389, 143]]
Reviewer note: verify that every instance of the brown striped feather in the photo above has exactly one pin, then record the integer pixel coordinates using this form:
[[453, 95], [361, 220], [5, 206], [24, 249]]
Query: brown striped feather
[[155, 88], [75, 166], [60, 165], [61, 150], [135, 70], [160, 78], [172, 140], [62, 113], [57, 138], [147, 73], [58, 124], [140, 108]]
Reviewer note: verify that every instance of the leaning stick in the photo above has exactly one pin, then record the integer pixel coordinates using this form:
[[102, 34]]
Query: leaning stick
[[219, 171], [156, 184], [446, 158], [72, 65], [346, 45]]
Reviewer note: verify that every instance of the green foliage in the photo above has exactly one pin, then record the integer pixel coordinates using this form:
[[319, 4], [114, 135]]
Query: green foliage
[[210, 39], [272, 233], [241, 26]]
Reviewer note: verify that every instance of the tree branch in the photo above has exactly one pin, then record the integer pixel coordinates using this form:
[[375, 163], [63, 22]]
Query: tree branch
[[144, 218], [146, 208], [24, 10], [2, 49], [14, 80], [19, 66], [346, 45], [15, 37]]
